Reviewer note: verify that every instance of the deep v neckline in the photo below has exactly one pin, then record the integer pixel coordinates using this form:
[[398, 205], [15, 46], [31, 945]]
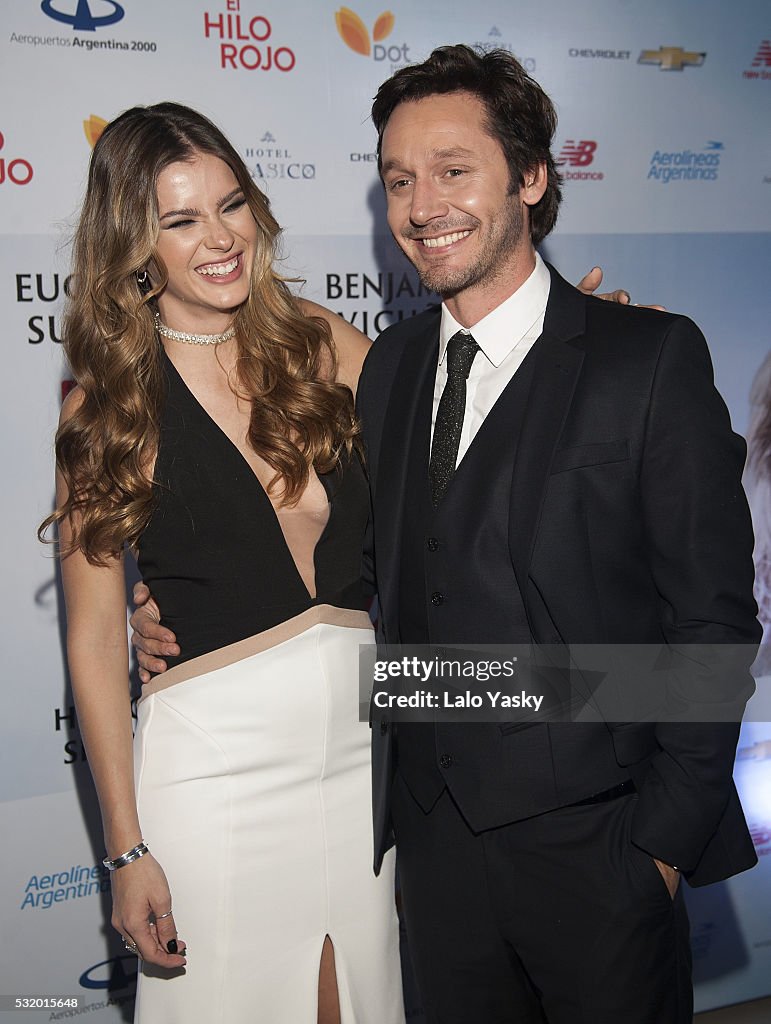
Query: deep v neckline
[[262, 492]]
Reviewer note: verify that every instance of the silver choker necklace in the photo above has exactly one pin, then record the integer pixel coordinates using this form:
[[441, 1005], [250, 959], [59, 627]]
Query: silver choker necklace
[[192, 339]]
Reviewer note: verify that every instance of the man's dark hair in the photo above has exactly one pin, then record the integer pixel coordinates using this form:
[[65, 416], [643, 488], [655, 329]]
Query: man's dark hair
[[520, 116]]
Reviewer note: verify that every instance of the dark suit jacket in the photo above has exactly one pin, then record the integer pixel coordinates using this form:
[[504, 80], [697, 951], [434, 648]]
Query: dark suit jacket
[[628, 524]]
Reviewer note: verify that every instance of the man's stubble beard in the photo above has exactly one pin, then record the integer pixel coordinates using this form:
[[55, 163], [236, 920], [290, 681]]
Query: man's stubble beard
[[491, 261]]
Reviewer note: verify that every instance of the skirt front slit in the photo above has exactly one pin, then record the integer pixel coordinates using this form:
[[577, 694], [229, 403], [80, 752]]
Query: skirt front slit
[[253, 785]]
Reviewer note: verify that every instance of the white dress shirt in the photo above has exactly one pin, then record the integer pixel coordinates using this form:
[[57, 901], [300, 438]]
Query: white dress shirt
[[505, 337]]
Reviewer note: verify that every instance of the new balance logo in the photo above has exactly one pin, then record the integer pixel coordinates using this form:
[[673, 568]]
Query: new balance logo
[[577, 154]]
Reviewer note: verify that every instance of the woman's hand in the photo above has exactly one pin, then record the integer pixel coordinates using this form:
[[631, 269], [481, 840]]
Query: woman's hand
[[140, 904], [590, 282]]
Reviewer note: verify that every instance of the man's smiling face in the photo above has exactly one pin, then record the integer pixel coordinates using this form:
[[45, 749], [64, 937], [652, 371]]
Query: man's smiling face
[[451, 205]]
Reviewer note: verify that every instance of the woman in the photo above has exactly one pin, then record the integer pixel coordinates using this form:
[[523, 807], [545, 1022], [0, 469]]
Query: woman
[[757, 481], [213, 433]]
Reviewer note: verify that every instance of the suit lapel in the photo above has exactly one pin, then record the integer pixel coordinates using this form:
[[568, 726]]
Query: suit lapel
[[404, 429], [556, 373]]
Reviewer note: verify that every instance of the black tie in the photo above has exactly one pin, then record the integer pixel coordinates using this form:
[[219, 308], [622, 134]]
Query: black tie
[[461, 350]]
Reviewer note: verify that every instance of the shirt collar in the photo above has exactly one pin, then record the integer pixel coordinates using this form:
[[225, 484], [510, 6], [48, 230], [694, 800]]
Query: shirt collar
[[499, 333]]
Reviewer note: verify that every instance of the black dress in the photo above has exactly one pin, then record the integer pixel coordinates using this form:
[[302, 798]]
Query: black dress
[[252, 767]]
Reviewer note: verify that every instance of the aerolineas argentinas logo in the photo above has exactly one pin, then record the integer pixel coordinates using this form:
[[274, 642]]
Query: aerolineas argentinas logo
[[356, 36], [686, 165]]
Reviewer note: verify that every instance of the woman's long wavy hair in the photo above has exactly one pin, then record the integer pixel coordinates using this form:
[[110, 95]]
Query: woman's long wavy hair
[[300, 417]]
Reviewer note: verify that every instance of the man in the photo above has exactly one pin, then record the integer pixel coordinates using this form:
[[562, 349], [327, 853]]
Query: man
[[597, 500]]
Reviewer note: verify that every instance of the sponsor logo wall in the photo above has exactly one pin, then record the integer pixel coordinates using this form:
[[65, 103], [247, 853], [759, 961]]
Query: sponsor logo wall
[[666, 162]]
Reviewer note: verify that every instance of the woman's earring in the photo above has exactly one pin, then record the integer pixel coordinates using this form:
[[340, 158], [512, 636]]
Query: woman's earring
[[143, 279]]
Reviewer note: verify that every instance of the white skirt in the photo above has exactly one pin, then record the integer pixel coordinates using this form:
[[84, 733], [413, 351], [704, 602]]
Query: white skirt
[[253, 785]]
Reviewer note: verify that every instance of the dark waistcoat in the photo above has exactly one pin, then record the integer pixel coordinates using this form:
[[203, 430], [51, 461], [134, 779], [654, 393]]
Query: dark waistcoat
[[456, 582], [457, 586]]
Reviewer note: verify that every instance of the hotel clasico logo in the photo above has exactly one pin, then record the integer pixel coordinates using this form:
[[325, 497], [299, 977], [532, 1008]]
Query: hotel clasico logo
[[672, 58], [268, 162]]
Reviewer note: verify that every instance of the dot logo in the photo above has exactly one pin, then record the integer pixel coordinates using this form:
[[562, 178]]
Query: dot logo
[[93, 127], [354, 32], [356, 37], [17, 170]]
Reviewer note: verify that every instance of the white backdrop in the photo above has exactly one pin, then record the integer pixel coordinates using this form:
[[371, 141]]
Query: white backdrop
[[664, 137]]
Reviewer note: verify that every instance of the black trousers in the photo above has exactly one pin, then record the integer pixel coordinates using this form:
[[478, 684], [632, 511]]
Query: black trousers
[[556, 919]]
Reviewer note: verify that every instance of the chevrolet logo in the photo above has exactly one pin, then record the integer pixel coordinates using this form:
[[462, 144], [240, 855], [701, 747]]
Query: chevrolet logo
[[671, 58]]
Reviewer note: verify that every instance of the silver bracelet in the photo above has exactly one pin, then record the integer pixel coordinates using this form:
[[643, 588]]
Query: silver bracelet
[[126, 858]]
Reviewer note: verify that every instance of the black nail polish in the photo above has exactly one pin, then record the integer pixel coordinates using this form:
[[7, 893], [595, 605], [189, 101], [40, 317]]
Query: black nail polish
[[171, 945]]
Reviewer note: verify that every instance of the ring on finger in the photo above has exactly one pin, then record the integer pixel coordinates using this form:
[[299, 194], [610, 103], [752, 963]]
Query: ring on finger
[[131, 946], [160, 917]]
